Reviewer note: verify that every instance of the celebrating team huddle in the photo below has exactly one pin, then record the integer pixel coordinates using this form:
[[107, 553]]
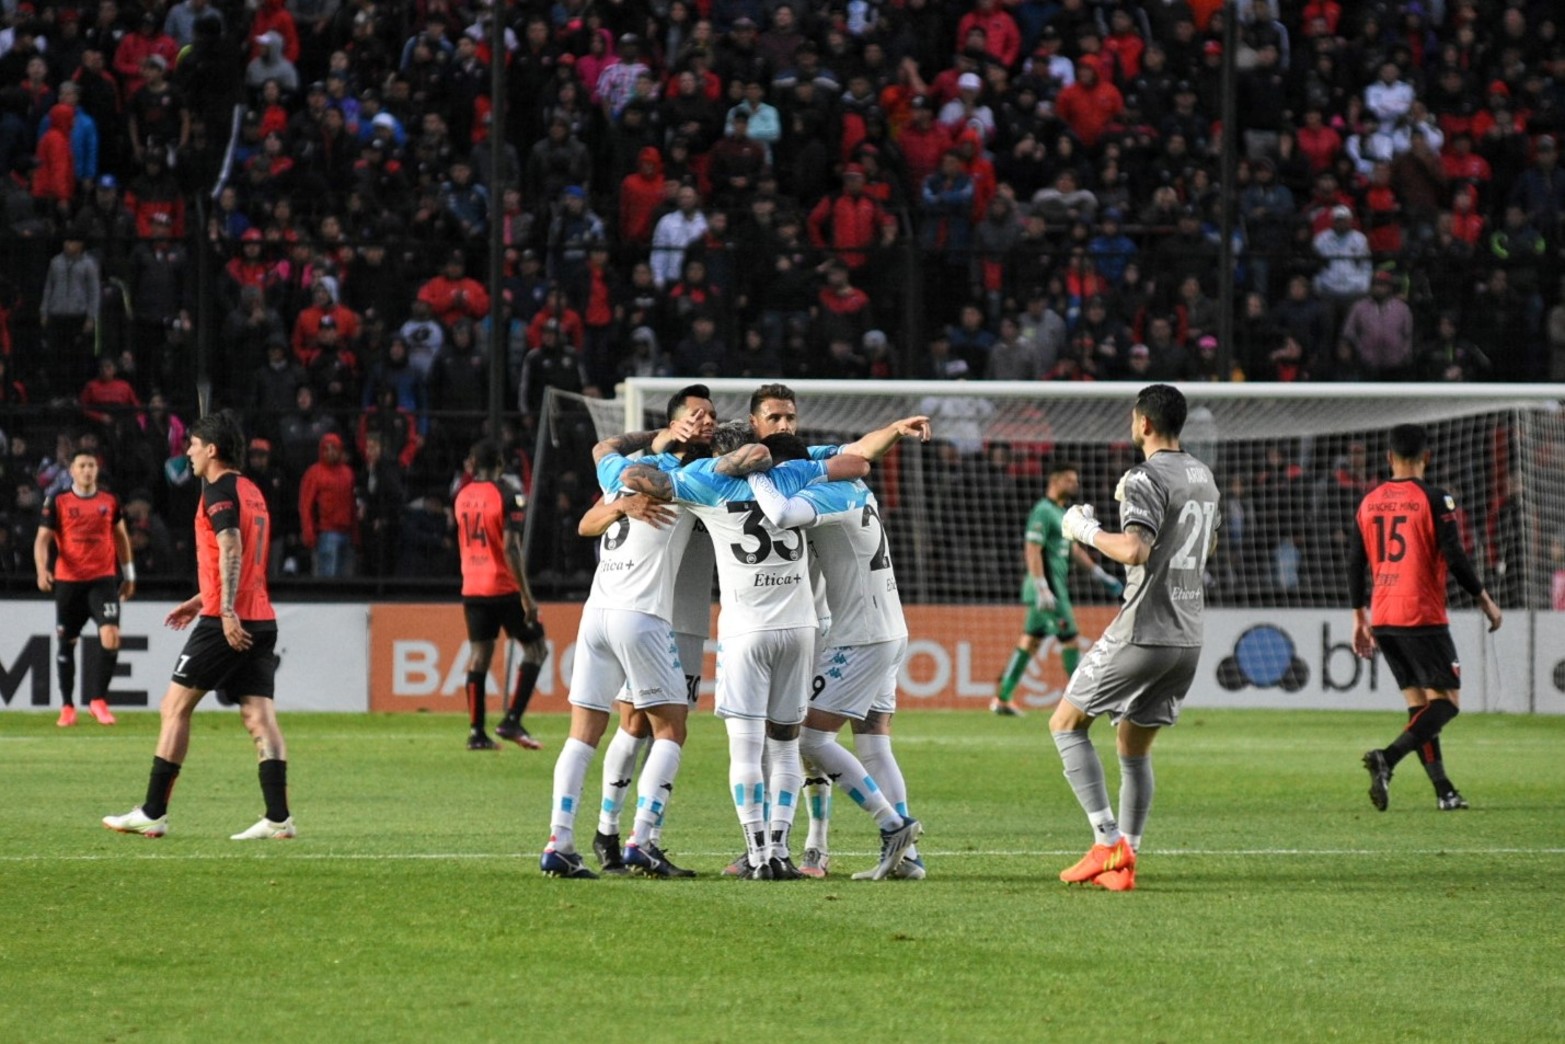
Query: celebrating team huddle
[[771, 636]]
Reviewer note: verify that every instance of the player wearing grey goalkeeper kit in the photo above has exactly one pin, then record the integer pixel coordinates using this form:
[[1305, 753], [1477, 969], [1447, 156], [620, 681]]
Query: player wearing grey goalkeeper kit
[[1139, 671]]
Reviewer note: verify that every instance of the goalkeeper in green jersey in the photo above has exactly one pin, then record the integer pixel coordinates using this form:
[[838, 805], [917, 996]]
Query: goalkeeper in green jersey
[[1050, 620]]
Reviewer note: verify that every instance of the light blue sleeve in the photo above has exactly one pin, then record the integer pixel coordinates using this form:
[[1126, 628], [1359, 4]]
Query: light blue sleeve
[[794, 475], [835, 498], [704, 486], [824, 452], [610, 468]]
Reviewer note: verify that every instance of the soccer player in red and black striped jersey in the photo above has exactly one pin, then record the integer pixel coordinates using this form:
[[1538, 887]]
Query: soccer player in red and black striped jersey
[[233, 646], [85, 529], [1408, 543], [490, 513]]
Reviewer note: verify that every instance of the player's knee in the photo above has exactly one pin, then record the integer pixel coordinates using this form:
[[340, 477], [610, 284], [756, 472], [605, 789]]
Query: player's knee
[[874, 723], [669, 725], [1068, 637], [478, 656], [1029, 643], [1067, 717], [813, 741], [535, 652], [109, 638], [781, 732]]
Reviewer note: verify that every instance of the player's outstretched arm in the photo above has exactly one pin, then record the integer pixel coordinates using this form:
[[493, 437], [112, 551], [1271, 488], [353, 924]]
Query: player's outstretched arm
[[879, 442], [846, 467]]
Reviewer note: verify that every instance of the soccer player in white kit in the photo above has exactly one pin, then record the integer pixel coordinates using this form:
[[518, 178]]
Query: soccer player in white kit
[[773, 410], [626, 640], [766, 630], [692, 619], [856, 666]]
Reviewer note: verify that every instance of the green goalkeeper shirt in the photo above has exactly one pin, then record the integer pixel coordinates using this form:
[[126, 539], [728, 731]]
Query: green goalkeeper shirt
[[1045, 528]]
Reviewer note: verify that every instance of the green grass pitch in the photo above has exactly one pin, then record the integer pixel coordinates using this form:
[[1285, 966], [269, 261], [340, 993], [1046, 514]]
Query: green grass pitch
[[1273, 904]]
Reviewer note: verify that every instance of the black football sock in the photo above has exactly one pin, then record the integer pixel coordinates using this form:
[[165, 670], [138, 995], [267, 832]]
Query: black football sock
[[1434, 763], [108, 659], [1424, 726], [522, 694], [160, 786], [475, 699], [65, 669], [274, 788]]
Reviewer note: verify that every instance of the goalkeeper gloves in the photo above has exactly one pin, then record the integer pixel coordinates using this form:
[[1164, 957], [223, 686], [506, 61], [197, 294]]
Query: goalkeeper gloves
[[1107, 579], [1043, 595], [1080, 525]]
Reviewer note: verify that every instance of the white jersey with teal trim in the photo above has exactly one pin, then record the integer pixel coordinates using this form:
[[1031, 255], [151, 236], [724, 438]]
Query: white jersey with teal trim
[[848, 543], [637, 562], [761, 570]]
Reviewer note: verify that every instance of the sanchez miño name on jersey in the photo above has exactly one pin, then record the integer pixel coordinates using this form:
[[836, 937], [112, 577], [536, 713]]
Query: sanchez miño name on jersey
[[1410, 542], [1173, 495], [762, 570]]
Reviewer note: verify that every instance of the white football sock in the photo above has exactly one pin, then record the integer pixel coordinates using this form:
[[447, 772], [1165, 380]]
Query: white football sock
[[846, 771], [818, 794], [653, 788], [570, 770], [746, 740], [786, 779], [619, 769]]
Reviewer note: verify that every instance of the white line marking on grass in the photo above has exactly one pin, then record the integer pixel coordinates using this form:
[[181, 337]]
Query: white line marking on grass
[[1223, 853]]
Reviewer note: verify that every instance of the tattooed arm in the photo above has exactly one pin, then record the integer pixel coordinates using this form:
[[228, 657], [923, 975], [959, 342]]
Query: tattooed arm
[[230, 554]]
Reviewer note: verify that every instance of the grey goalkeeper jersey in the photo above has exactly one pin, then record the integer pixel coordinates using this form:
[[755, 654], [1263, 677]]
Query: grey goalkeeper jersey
[[1173, 495]]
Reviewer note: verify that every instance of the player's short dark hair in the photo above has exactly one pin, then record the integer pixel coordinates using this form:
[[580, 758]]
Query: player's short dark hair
[[1060, 467], [771, 391], [784, 446], [690, 391], [82, 451], [1409, 441], [222, 431], [1164, 405], [730, 436], [486, 455]]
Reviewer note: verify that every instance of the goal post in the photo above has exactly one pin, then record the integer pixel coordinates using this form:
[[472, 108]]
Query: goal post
[[1292, 461]]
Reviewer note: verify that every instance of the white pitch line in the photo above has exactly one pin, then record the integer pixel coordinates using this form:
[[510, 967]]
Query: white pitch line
[[1224, 853]]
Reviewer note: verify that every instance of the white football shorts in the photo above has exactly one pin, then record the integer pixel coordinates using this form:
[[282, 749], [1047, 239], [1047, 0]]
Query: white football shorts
[[622, 649], [852, 680], [765, 675], [692, 654]]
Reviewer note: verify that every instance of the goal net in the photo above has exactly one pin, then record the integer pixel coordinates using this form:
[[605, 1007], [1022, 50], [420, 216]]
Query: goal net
[[1292, 461]]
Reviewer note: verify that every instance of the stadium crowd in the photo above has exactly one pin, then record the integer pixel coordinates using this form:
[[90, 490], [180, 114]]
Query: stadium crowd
[[998, 189]]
